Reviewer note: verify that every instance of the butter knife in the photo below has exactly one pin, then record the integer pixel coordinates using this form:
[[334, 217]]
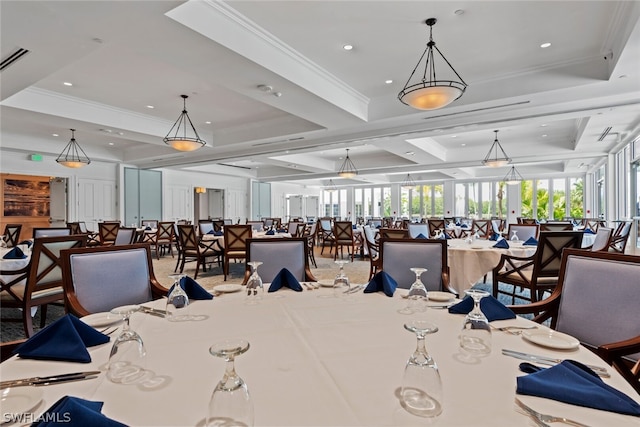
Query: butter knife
[[49, 379], [153, 311], [543, 360]]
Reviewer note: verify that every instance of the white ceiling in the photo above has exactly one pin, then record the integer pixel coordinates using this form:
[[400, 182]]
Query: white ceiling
[[550, 105]]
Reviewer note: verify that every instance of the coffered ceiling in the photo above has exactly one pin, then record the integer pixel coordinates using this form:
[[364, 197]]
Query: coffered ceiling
[[277, 97]]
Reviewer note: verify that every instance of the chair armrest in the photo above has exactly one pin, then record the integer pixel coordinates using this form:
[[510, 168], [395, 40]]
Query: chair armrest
[[543, 310], [446, 285], [157, 290], [618, 349], [504, 258]]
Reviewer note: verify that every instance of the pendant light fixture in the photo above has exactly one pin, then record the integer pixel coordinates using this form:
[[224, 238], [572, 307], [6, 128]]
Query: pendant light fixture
[[492, 158], [429, 93], [331, 187], [513, 177], [408, 183], [348, 169], [180, 137], [73, 156]]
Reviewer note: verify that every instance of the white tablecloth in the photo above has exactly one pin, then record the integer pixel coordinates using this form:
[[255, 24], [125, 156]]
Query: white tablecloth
[[469, 262], [314, 360], [255, 235], [12, 264]]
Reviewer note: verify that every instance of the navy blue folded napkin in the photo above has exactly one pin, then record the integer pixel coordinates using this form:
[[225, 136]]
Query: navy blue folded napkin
[[282, 230], [210, 231], [572, 382], [218, 233], [354, 226], [444, 236], [72, 411], [65, 339], [491, 307], [270, 232], [26, 242], [458, 224], [381, 282], [15, 253], [193, 289], [285, 278], [464, 225], [378, 226], [421, 236], [495, 237], [589, 231], [531, 241], [502, 244], [147, 228]]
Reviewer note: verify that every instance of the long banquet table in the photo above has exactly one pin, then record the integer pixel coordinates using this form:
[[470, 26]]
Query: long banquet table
[[315, 360]]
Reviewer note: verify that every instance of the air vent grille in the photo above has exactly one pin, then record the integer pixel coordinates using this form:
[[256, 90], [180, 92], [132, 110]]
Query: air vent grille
[[604, 134], [13, 58]]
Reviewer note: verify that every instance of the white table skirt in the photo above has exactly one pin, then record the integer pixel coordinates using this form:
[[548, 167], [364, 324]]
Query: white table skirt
[[314, 360]]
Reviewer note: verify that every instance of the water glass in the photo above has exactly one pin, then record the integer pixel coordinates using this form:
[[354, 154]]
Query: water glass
[[475, 338]]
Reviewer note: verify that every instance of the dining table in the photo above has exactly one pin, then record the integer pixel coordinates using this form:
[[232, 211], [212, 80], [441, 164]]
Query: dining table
[[254, 235], [7, 266], [316, 358]]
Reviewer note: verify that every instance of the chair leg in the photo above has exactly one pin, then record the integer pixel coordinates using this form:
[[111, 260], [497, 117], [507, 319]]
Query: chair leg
[[43, 315], [27, 322]]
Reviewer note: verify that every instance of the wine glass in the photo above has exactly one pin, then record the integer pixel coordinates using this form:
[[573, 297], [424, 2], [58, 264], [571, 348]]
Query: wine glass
[[475, 337], [127, 358], [421, 392], [417, 296], [341, 283], [254, 284], [230, 403], [514, 236], [177, 301]]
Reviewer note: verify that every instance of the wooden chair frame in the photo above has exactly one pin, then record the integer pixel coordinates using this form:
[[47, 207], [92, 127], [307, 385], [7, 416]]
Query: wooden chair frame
[[107, 232], [193, 247], [309, 277], [434, 226], [343, 236], [375, 262], [235, 243], [483, 227], [163, 238], [620, 237]]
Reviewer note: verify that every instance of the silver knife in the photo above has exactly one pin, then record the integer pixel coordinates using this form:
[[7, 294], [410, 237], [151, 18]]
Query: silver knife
[[153, 311], [543, 360], [48, 380]]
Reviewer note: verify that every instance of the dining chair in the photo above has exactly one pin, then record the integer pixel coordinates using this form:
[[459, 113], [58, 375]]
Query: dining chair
[[393, 233], [587, 304], [218, 224], [151, 223], [400, 255], [617, 355], [375, 222], [256, 225], [343, 236], [205, 226], [620, 237], [93, 239], [482, 227], [195, 249], [326, 233], [310, 235], [98, 279], [12, 234], [537, 273], [415, 230], [601, 242], [74, 227], [276, 254], [39, 232], [373, 248], [526, 221], [235, 244], [435, 225], [163, 239], [592, 224], [524, 231], [43, 283], [107, 232], [126, 236], [7, 348], [227, 221], [556, 226]]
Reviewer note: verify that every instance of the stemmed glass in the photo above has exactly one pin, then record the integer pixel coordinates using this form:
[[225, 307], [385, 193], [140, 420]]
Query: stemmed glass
[[341, 283], [421, 392], [417, 296], [475, 337], [254, 284], [127, 358], [3, 244], [230, 403], [514, 236], [177, 300]]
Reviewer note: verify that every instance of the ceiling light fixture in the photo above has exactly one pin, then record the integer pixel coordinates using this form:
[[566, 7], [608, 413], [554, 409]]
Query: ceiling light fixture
[[200, 190], [408, 183], [513, 177], [331, 187], [348, 169], [73, 156], [492, 159], [180, 140], [430, 93]]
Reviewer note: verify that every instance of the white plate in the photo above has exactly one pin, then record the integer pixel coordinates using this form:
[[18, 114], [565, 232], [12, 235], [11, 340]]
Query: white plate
[[101, 320], [19, 400], [440, 296], [551, 339], [227, 288], [327, 283]]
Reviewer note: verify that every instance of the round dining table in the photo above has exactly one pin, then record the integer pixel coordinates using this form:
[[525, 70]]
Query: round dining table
[[315, 359]]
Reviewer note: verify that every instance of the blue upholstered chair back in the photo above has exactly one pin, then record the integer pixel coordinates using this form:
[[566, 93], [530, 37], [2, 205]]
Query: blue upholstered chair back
[[399, 257], [104, 280], [600, 299], [601, 242], [51, 232], [205, 227], [416, 229], [276, 255], [125, 236], [370, 235], [524, 231]]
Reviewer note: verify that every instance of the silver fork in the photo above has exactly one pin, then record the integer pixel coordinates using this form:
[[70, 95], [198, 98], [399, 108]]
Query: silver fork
[[533, 418], [113, 329], [545, 418]]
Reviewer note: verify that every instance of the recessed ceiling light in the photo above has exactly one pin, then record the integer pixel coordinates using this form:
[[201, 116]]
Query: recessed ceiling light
[[208, 122], [151, 107], [545, 45], [347, 47], [111, 143], [67, 84], [544, 135], [544, 125], [388, 81], [454, 136], [54, 134], [463, 144], [410, 153], [459, 12], [622, 76]]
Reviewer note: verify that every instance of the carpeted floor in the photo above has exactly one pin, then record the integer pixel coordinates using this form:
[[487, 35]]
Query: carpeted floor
[[358, 272]]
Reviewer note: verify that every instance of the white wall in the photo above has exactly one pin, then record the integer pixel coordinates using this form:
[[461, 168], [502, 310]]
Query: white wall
[[279, 192]]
